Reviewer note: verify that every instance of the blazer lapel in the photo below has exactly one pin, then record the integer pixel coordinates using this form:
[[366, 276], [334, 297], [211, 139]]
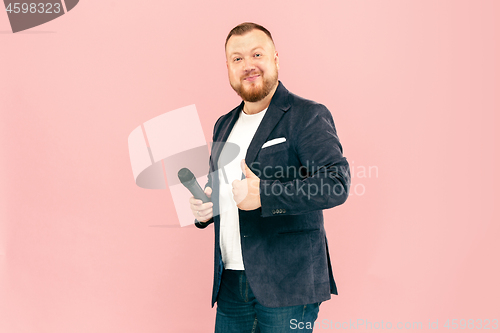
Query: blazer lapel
[[223, 134], [277, 108]]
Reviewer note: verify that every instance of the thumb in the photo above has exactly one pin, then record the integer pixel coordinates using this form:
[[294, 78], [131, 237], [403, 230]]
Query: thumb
[[208, 191], [246, 170]]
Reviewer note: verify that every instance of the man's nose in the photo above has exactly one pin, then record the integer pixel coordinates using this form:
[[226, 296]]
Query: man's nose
[[249, 65]]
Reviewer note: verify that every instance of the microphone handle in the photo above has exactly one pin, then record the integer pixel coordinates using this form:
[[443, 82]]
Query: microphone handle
[[198, 193]]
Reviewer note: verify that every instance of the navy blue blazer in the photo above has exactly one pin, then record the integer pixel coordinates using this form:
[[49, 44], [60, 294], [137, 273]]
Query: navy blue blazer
[[283, 243]]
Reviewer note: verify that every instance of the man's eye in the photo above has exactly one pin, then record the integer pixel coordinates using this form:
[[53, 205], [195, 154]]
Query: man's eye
[[237, 59], [258, 54]]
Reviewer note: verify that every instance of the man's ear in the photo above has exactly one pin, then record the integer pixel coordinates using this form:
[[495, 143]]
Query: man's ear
[[227, 65], [277, 59]]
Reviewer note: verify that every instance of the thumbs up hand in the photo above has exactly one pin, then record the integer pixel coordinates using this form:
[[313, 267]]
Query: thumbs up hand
[[246, 192]]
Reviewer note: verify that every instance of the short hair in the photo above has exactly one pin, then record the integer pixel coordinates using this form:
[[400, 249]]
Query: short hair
[[243, 28]]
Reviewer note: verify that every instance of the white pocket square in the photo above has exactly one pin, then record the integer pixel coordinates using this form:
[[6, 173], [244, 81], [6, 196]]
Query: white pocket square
[[273, 142]]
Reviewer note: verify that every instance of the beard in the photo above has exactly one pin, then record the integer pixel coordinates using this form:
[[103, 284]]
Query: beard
[[253, 93]]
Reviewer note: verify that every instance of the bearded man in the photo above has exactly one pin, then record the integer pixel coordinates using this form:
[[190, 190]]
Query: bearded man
[[272, 267]]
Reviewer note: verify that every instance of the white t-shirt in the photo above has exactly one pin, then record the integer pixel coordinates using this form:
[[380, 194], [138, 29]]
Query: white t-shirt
[[242, 134]]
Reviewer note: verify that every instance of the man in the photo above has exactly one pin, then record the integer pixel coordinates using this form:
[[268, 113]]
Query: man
[[272, 266]]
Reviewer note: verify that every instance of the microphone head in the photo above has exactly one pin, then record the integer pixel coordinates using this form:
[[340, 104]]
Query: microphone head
[[185, 175]]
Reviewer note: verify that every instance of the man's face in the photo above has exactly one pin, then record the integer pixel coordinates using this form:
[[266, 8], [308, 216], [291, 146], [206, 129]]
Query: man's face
[[252, 64]]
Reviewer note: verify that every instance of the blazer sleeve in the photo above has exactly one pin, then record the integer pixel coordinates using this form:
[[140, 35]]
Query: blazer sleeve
[[327, 178], [211, 170], [211, 165]]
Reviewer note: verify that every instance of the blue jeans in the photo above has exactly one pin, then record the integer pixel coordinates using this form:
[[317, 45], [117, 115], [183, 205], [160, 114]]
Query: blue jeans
[[238, 311]]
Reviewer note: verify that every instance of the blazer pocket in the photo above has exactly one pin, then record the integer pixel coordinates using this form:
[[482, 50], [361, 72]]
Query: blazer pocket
[[273, 142], [275, 147]]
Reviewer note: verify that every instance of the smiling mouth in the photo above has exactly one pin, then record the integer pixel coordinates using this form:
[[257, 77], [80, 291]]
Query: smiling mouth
[[251, 77]]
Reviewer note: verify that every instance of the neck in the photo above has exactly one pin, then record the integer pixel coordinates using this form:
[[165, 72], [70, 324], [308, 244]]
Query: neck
[[256, 107]]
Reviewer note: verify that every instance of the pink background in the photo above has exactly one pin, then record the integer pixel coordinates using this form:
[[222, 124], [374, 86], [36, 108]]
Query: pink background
[[412, 85]]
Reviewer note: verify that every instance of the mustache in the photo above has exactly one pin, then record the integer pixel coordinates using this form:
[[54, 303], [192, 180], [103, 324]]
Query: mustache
[[251, 74]]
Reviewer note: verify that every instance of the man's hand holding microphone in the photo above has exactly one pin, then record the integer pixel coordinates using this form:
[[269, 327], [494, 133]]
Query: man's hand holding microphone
[[202, 211], [246, 193]]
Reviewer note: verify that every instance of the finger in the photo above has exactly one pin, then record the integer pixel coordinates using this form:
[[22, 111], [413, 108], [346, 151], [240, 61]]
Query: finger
[[208, 192], [202, 206], [201, 214], [246, 170], [204, 218], [237, 198], [206, 205], [194, 201], [196, 206], [201, 218], [205, 212]]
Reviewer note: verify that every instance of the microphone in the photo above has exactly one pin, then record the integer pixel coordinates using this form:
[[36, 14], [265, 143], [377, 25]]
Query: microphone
[[189, 181]]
